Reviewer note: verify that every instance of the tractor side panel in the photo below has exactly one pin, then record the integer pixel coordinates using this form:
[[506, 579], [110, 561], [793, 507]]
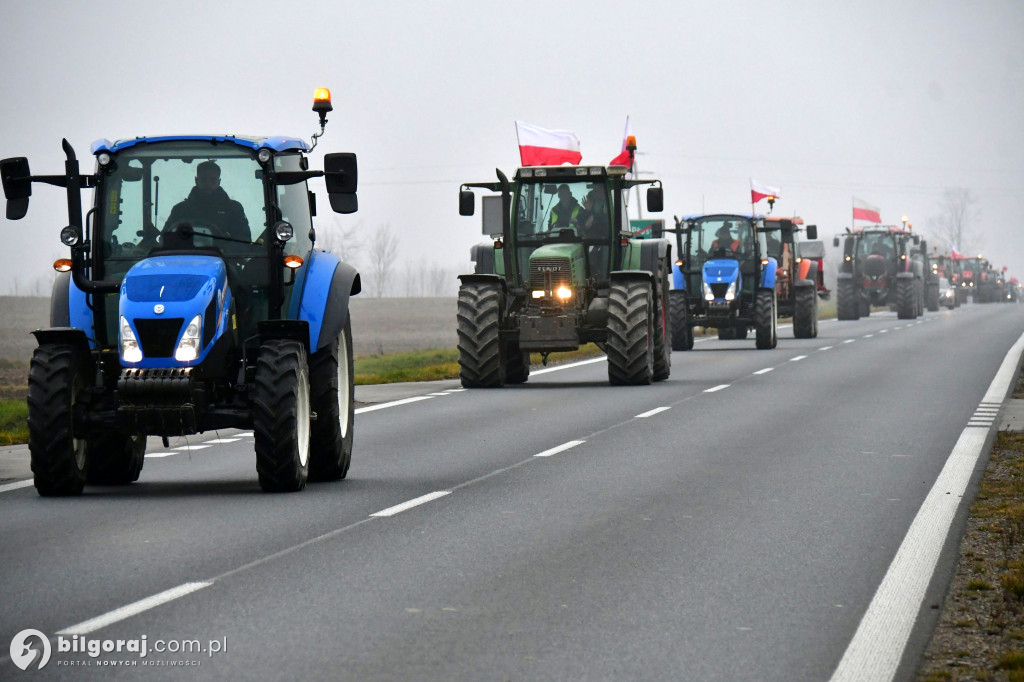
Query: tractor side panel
[[768, 274]]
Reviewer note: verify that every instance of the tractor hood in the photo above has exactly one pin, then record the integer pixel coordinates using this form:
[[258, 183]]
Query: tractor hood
[[160, 301], [553, 265], [724, 271]]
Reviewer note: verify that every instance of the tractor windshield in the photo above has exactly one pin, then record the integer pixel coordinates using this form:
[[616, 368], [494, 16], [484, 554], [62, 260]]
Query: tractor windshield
[[877, 244], [720, 237], [565, 212]]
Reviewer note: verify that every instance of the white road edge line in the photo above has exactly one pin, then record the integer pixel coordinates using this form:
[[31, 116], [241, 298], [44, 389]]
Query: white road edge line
[[875, 651], [393, 403], [133, 609], [719, 387], [651, 413], [561, 448], [15, 486], [398, 508]]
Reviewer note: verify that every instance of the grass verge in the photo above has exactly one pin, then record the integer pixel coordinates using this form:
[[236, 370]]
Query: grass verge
[[13, 421]]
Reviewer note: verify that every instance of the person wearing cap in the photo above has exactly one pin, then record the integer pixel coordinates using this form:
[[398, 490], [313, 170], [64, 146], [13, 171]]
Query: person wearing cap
[[565, 212], [210, 206], [724, 241]]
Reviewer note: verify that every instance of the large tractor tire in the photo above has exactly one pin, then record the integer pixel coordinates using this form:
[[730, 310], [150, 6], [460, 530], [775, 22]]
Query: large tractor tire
[[741, 332], [662, 337], [906, 299], [766, 330], [682, 332], [332, 398], [57, 377], [115, 458], [630, 344], [479, 320], [282, 416], [919, 297], [932, 297], [847, 303], [726, 333], [805, 313], [517, 365]]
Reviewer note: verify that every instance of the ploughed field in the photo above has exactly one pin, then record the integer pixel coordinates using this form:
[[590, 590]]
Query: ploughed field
[[379, 326]]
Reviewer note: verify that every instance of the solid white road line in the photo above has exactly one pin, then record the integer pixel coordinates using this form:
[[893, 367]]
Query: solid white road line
[[157, 455], [224, 440], [651, 413], [719, 387], [398, 508], [189, 448], [561, 448], [875, 651], [393, 403], [133, 609], [568, 366], [15, 486]]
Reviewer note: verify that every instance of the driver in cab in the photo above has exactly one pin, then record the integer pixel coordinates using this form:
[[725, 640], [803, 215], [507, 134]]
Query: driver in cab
[[724, 244], [209, 205]]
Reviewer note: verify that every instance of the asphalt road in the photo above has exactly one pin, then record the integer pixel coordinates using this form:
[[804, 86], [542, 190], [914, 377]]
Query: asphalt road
[[731, 523]]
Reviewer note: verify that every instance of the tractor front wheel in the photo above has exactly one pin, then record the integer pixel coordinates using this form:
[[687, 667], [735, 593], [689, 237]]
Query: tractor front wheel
[[765, 320], [847, 303], [682, 332], [479, 323], [57, 377], [906, 299], [630, 344], [332, 395], [805, 314], [282, 416], [115, 458]]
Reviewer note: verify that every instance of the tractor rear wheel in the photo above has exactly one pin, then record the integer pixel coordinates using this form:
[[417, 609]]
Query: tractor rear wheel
[[906, 299], [662, 338], [847, 305], [517, 365], [57, 376], [805, 314], [741, 332], [765, 320], [281, 416], [115, 458], [932, 297], [726, 333], [479, 323], [332, 397], [630, 344], [682, 332]]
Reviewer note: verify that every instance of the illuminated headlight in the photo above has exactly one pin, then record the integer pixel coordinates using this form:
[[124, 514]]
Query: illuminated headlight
[[564, 293], [949, 293], [730, 293], [130, 351], [538, 293], [847, 259], [188, 347], [706, 288]]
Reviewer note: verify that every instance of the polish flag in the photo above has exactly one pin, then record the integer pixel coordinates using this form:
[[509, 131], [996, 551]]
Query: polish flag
[[865, 211], [956, 254], [541, 147], [759, 191], [623, 158]]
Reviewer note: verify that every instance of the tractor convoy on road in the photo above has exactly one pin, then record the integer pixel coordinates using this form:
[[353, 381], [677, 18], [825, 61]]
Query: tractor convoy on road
[[194, 296]]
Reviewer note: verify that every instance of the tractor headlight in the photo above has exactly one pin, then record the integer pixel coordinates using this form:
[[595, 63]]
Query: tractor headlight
[[69, 236], [538, 293], [130, 351], [706, 288], [730, 293], [188, 347], [564, 293], [283, 231]]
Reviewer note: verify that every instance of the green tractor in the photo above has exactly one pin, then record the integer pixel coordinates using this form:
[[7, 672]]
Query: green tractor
[[564, 270]]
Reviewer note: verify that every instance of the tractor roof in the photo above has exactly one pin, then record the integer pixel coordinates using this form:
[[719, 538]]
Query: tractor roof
[[778, 219], [278, 144], [568, 173]]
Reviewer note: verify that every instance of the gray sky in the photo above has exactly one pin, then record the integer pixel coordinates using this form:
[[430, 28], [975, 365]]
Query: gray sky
[[889, 101]]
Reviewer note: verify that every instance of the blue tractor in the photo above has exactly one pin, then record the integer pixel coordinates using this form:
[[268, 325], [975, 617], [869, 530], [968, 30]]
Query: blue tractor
[[193, 300], [724, 278]]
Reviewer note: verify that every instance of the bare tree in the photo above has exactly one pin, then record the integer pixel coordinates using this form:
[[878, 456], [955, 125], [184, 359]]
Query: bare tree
[[440, 280], [958, 214], [344, 242], [383, 252]]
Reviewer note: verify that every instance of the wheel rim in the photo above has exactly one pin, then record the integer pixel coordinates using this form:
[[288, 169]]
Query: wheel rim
[[302, 414], [343, 383]]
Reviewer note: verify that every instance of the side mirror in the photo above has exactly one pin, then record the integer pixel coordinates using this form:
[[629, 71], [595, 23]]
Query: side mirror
[[341, 177], [467, 202], [17, 181], [917, 239], [924, 246], [655, 200], [835, 242], [811, 231]]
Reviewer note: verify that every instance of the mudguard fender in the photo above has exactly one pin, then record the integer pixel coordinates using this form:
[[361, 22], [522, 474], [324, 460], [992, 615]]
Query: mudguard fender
[[678, 280], [768, 274], [68, 307], [324, 306]]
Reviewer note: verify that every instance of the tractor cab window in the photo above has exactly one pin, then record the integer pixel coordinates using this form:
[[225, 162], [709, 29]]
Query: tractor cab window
[[876, 244], [725, 237]]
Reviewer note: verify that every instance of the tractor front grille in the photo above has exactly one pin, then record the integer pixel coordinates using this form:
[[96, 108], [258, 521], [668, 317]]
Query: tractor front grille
[[158, 337], [719, 289], [550, 273]]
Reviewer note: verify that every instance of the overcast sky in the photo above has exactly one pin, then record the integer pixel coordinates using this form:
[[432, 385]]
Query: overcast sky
[[892, 102]]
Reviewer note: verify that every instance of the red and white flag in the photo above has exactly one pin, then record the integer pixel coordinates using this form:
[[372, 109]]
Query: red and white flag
[[862, 210], [956, 254], [759, 191], [623, 158], [542, 147]]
